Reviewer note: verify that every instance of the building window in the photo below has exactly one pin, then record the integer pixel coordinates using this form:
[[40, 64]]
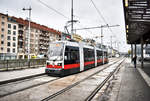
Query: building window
[[31, 40], [14, 32], [32, 35], [14, 44], [20, 26], [2, 48], [8, 38], [9, 32], [14, 38], [36, 31], [20, 32], [2, 29], [3, 23], [8, 49], [9, 25], [14, 26], [8, 43], [32, 30], [14, 50], [2, 35], [2, 42], [3, 17]]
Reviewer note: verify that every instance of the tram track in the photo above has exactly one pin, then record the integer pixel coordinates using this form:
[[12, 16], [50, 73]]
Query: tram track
[[90, 97], [11, 85], [20, 79], [75, 84], [4, 89]]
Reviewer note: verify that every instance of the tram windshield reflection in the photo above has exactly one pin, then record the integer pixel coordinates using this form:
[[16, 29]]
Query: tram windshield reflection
[[55, 51]]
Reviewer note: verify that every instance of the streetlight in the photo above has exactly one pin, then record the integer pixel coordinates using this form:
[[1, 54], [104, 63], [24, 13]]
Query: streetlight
[[102, 43], [29, 31], [104, 26], [111, 44], [71, 18]]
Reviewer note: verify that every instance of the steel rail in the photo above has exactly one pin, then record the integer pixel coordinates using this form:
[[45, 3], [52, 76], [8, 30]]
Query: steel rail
[[25, 88], [75, 84], [89, 98], [19, 79]]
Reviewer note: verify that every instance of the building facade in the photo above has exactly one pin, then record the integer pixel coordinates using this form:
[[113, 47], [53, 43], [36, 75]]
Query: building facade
[[8, 37], [14, 37]]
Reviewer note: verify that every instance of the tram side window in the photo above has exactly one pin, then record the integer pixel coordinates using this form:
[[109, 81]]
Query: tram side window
[[88, 54], [99, 54], [71, 55], [105, 54]]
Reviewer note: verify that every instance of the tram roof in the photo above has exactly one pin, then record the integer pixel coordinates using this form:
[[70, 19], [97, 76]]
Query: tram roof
[[70, 43], [137, 20]]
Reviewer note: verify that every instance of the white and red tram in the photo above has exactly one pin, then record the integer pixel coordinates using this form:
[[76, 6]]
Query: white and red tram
[[65, 57]]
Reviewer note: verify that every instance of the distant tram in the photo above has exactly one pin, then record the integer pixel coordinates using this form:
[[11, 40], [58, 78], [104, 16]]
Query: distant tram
[[65, 57]]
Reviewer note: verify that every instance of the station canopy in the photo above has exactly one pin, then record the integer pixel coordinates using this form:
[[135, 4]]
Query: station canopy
[[137, 20]]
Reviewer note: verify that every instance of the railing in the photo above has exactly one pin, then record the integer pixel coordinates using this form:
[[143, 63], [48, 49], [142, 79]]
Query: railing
[[21, 64]]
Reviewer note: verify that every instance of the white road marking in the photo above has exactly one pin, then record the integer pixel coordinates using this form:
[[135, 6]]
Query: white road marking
[[44, 79], [145, 76]]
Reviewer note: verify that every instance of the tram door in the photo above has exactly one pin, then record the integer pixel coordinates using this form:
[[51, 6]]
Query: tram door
[[81, 57], [95, 53]]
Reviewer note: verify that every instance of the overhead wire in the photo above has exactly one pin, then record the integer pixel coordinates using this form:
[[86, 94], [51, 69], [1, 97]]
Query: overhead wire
[[82, 26], [85, 29], [100, 14], [49, 7], [52, 9]]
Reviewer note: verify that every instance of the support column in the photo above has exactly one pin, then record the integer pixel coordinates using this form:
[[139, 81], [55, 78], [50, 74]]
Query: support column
[[142, 42], [135, 50], [135, 54], [131, 51]]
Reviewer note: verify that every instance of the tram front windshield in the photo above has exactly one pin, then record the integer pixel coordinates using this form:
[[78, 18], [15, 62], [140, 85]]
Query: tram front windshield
[[55, 51]]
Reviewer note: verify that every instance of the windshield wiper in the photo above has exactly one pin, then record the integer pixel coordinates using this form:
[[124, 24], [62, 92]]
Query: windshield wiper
[[57, 58]]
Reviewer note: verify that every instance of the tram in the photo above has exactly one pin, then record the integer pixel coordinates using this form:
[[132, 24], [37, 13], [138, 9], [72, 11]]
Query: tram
[[65, 57]]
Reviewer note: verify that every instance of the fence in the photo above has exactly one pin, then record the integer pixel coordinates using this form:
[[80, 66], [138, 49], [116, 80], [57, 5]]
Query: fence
[[21, 63]]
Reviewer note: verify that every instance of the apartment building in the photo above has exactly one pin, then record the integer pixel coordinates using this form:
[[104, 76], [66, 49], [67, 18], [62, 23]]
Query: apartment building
[[14, 37], [40, 37], [8, 37]]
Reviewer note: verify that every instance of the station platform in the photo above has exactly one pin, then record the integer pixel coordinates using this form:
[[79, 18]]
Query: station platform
[[17, 74], [135, 83]]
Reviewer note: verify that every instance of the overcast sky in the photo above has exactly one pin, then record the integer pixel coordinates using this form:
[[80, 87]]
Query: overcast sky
[[84, 12]]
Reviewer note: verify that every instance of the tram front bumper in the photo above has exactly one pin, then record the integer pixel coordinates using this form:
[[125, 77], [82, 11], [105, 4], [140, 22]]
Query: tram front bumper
[[53, 71]]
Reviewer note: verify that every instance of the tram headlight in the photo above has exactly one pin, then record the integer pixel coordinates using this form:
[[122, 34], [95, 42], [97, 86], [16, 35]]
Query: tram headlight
[[47, 63], [59, 64]]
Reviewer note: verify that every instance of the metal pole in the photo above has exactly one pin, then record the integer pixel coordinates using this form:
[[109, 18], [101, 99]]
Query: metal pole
[[131, 51], [118, 46], [135, 49], [71, 18], [29, 31], [111, 45], [29, 34], [142, 52], [135, 54], [102, 44]]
